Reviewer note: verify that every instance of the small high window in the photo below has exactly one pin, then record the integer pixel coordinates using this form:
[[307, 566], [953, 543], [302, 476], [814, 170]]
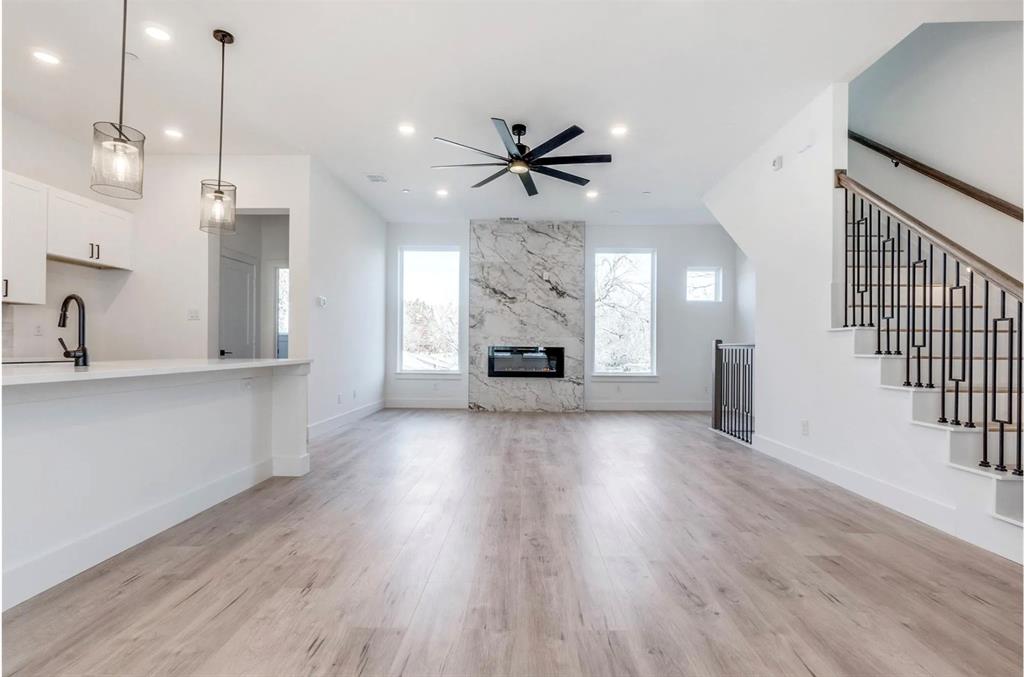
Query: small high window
[[703, 284]]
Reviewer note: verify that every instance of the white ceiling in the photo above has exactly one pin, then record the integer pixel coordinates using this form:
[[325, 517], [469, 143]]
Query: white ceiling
[[698, 84]]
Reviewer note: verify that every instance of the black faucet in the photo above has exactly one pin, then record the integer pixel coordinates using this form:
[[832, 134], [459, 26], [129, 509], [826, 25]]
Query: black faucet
[[80, 354]]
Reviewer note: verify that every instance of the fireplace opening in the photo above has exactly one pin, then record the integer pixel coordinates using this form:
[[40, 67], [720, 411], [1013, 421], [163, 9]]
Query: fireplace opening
[[526, 361]]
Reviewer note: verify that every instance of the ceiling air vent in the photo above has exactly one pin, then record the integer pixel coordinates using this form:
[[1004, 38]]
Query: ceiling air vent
[[377, 178], [508, 219]]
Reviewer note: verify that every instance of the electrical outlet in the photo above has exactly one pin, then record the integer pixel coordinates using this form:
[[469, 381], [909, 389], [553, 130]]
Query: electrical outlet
[[805, 427], [339, 398], [246, 384], [192, 314], [353, 393], [38, 330]]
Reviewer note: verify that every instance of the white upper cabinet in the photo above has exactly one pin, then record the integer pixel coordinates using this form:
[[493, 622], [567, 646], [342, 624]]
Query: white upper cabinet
[[24, 240], [88, 232]]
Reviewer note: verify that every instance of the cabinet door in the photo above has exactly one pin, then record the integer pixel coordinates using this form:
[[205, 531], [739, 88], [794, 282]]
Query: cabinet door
[[72, 228], [24, 240], [113, 238]]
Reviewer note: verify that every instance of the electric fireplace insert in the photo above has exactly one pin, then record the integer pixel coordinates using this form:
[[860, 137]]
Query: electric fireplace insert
[[526, 361]]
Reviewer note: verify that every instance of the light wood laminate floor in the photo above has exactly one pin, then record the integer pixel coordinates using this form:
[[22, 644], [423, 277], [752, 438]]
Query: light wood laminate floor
[[457, 543]]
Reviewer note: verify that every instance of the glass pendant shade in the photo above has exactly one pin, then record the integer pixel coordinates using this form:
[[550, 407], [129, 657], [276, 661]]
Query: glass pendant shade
[[217, 207], [117, 159]]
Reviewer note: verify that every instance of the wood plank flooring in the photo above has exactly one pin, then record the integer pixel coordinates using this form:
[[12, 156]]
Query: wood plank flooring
[[458, 543]]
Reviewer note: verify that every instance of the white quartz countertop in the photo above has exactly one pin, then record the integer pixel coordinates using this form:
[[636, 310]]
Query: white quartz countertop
[[31, 374]]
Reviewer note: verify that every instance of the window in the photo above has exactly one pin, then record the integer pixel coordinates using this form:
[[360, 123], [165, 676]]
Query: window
[[624, 312], [281, 344], [703, 284], [429, 325]]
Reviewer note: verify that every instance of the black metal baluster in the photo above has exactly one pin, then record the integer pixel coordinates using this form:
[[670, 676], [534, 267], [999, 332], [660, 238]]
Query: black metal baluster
[[969, 349], [896, 281], [957, 379], [984, 463], [1001, 466], [880, 284], [942, 374], [930, 295], [869, 261], [1017, 470], [858, 298], [891, 284], [750, 407], [846, 258], [924, 311], [910, 312]]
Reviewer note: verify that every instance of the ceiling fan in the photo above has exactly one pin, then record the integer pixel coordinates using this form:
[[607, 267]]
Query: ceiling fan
[[522, 160]]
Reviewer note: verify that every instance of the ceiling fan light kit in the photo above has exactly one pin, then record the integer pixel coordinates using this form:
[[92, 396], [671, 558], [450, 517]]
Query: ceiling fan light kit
[[522, 160]]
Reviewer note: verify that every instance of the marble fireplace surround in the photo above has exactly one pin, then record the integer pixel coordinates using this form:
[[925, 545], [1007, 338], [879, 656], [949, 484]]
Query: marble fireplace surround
[[526, 288]]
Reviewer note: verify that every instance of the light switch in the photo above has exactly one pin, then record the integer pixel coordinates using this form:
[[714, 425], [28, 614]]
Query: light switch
[[321, 301]]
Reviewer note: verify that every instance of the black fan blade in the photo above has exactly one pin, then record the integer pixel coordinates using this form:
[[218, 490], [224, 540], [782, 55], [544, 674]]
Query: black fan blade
[[572, 160], [492, 177], [506, 137], [479, 164], [558, 174], [462, 145], [528, 184], [554, 142]]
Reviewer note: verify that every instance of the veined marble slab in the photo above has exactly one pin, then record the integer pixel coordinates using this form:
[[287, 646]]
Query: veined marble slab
[[526, 282]]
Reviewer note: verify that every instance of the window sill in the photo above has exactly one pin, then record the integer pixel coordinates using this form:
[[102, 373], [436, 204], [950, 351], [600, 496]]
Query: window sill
[[632, 378], [430, 375]]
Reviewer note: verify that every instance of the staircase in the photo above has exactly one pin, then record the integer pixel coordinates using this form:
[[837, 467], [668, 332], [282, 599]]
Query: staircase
[[944, 328]]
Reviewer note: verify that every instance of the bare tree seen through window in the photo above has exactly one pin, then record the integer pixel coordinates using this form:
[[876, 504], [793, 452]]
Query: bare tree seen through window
[[623, 313], [430, 311]]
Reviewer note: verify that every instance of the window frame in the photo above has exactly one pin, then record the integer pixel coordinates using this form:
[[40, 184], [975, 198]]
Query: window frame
[[717, 270], [400, 372], [634, 376]]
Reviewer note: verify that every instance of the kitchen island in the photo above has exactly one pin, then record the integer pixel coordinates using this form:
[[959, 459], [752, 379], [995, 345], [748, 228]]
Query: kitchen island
[[97, 459]]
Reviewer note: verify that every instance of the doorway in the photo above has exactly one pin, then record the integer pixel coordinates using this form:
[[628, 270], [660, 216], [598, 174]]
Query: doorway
[[254, 289]]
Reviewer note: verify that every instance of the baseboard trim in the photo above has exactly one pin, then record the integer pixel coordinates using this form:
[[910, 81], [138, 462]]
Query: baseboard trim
[[922, 508], [29, 578], [331, 424], [290, 466], [647, 405], [426, 403]]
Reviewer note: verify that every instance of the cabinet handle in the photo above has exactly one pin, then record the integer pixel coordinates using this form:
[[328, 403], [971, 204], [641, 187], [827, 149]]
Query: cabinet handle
[[97, 251], [92, 250], [5, 287]]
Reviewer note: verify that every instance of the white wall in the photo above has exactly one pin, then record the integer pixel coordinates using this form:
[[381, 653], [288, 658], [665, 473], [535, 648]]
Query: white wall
[[746, 299], [949, 95], [415, 390], [346, 337], [685, 330]]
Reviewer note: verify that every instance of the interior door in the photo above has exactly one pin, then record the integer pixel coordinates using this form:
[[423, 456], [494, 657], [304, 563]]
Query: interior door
[[237, 308]]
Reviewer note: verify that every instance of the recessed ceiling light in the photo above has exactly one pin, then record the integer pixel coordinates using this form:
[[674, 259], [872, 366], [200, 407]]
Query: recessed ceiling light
[[619, 130], [647, 192], [405, 129], [158, 33], [592, 194], [441, 192], [173, 133], [406, 190], [46, 57]]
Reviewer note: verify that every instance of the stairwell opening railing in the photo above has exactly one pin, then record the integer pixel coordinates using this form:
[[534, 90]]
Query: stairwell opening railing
[[732, 402], [953, 319]]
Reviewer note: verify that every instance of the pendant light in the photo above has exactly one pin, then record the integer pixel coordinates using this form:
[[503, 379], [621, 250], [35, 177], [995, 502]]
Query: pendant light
[[117, 150], [217, 197]]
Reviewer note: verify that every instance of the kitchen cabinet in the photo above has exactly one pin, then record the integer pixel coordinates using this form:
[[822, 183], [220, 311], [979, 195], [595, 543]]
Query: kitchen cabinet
[[24, 240], [88, 232]]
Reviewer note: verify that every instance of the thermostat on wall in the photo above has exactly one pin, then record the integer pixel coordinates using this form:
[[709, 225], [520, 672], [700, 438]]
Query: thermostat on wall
[[321, 301]]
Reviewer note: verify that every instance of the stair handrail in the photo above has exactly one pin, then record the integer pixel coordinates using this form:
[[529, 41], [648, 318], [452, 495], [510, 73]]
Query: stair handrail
[[897, 158], [988, 270]]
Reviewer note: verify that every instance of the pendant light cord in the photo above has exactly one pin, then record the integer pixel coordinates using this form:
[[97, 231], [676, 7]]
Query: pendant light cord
[[220, 144], [124, 48]]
